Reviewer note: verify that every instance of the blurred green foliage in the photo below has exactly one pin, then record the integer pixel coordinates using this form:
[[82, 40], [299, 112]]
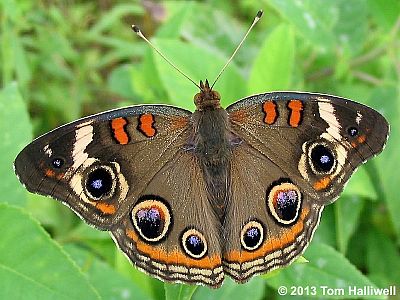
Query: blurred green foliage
[[61, 60]]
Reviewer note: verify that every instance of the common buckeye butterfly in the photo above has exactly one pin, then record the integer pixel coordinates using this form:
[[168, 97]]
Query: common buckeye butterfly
[[192, 197]]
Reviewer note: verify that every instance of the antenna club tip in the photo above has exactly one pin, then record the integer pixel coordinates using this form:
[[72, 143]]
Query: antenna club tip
[[259, 14], [135, 28]]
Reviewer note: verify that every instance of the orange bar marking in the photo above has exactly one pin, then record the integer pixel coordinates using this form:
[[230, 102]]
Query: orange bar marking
[[119, 131], [322, 183], [106, 208], [175, 256], [296, 107], [146, 123], [271, 114], [271, 244]]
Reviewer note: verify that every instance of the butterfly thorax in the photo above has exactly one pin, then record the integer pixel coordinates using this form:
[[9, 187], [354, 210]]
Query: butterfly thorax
[[212, 146]]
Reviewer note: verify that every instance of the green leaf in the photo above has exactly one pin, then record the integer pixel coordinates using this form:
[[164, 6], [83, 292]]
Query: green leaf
[[360, 184], [119, 81], [327, 24], [326, 267], [150, 285], [118, 12], [273, 67], [180, 13], [385, 12], [325, 232], [386, 178], [179, 291], [347, 213], [197, 63], [230, 290], [312, 19], [32, 266], [109, 283], [383, 260], [15, 133]]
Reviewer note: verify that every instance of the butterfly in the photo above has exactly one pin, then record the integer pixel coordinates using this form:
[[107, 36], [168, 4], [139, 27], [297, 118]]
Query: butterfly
[[193, 197]]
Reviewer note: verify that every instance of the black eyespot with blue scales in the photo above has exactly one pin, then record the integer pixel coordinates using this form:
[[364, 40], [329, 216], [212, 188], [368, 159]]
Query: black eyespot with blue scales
[[322, 158], [99, 183], [252, 235], [194, 243]]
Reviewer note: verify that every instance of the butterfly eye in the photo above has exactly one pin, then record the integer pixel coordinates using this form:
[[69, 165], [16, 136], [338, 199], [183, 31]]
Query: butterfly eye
[[194, 243], [151, 219], [57, 162], [99, 183], [322, 159], [252, 235], [284, 201]]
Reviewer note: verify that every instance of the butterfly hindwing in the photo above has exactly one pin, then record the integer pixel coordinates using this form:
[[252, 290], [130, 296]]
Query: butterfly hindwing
[[172, 232]]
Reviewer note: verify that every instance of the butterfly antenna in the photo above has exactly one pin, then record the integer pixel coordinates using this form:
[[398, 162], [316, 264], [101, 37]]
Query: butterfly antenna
[[256, 18], [137, 30]]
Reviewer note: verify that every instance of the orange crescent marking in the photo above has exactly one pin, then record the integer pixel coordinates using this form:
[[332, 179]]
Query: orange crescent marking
[[296, 107], [119, 131], [106, 208], [146, 122], [173, 257], [322, 183], [271, 244], [271, 114]]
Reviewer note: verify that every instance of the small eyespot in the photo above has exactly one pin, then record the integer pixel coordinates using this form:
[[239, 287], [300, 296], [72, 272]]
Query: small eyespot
[[322, 159], [194, 243], [284, 201], [352, 131], [99, 183], [151, 219], [57, 162], [252, 235]]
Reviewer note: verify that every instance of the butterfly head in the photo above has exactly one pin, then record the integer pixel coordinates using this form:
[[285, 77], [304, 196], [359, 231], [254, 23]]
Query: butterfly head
[[207, 98]]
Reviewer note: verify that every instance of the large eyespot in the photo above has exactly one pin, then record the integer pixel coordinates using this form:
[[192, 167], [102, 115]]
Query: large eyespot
[[194, 243], [100, 183], [151, 218], [321, 159], [284, 201], [252, 235]]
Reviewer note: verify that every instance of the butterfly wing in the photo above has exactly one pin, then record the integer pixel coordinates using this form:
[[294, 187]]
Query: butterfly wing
[[185, 245], [295, 154], [317, 140], [99, 165], [269, 220]]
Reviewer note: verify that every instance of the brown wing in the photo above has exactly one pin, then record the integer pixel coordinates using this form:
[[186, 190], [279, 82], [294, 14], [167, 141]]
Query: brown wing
[[269, 220], [317, 140], [99, 165], [171, 231], [294, 154]]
